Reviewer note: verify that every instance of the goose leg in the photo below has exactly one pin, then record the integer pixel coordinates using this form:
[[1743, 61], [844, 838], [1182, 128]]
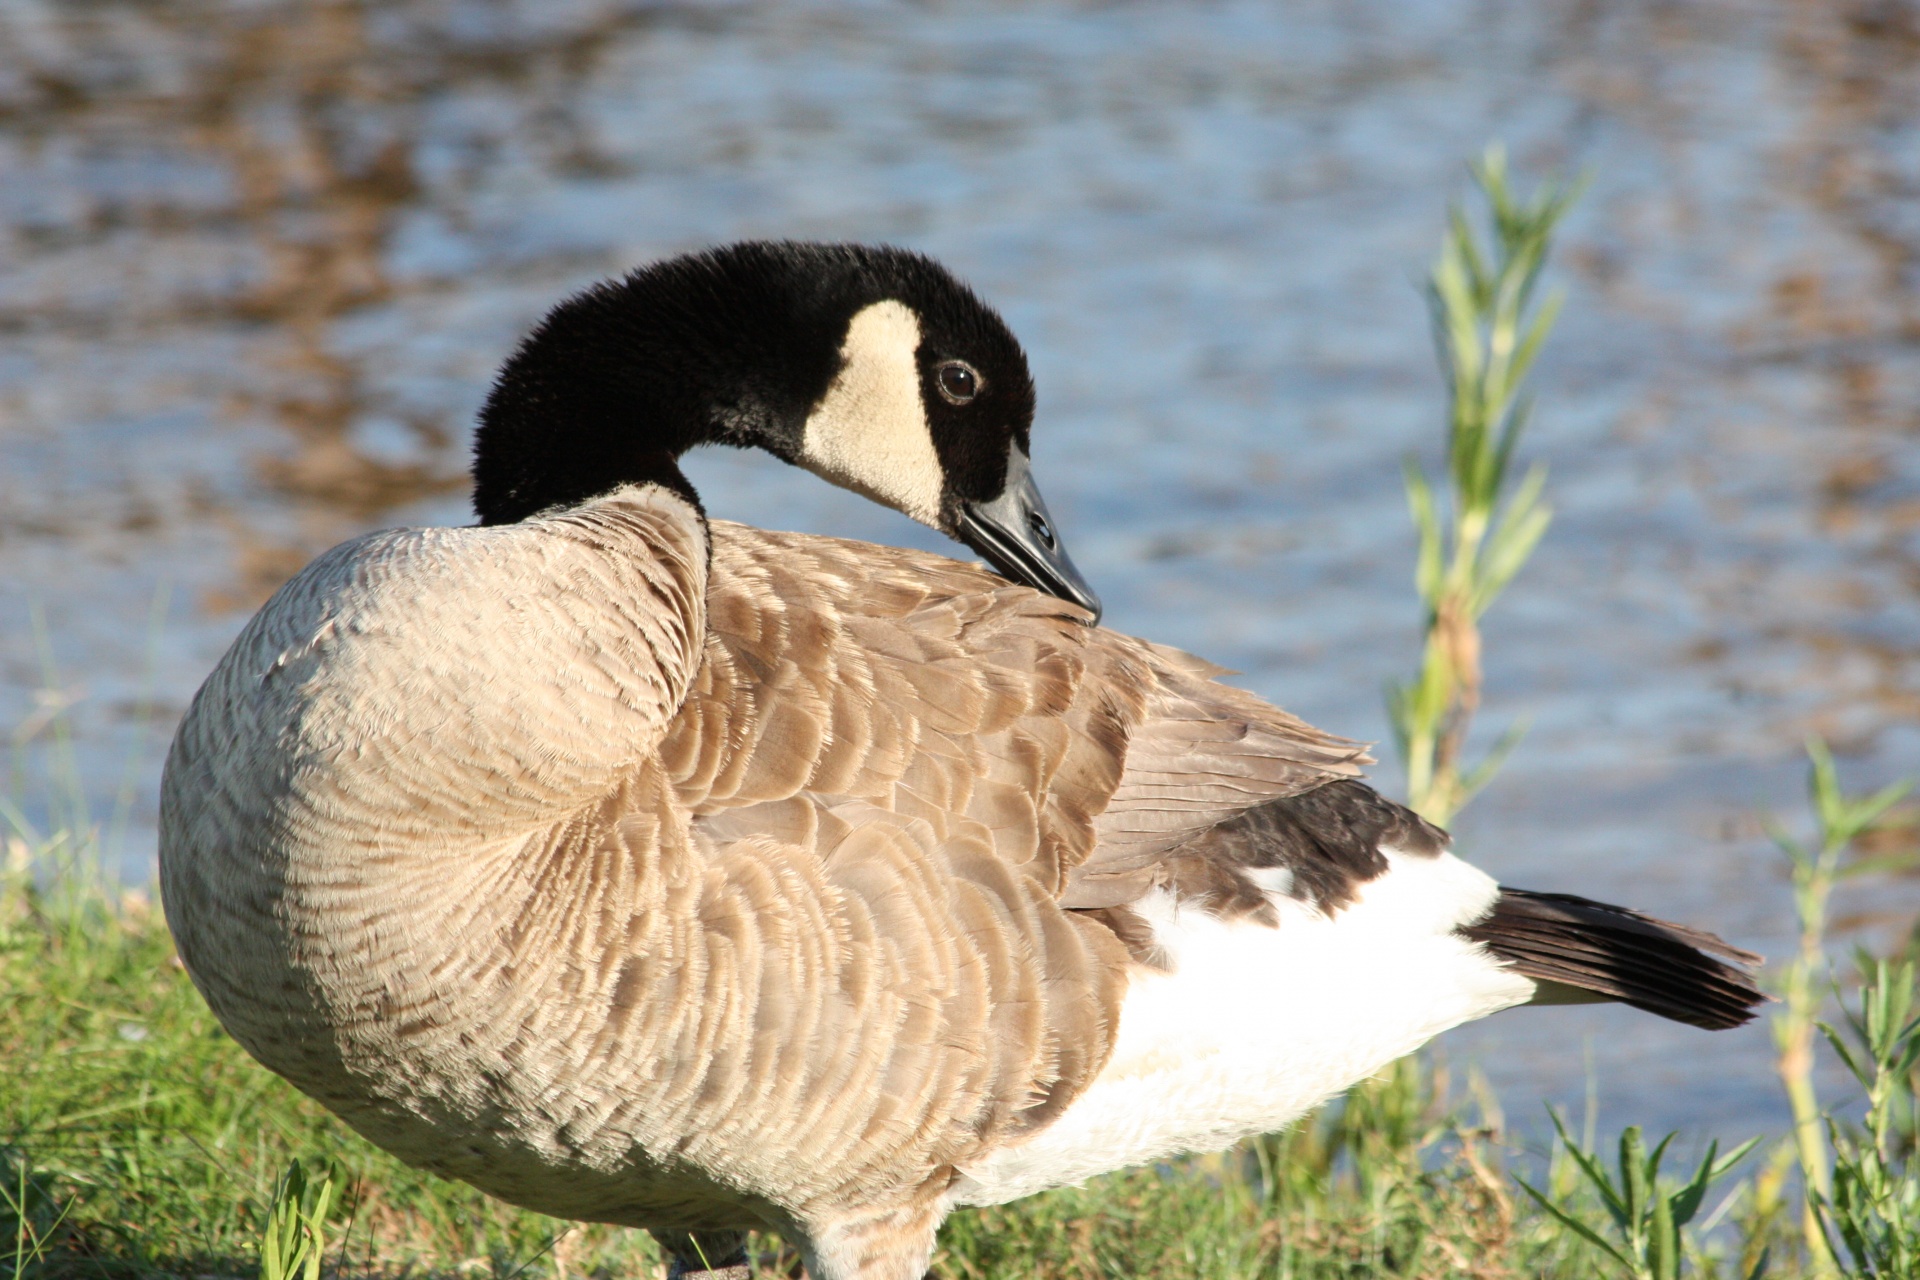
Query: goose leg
[[878, 1244], [704, 1255]]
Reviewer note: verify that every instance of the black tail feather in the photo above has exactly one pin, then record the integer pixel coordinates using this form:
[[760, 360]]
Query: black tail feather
[[1617, 954]]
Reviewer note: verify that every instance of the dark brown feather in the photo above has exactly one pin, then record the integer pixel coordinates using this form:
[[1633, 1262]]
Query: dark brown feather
[[1618, 954]]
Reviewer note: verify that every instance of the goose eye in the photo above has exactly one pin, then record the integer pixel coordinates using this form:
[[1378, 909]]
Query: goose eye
[[957, 381]]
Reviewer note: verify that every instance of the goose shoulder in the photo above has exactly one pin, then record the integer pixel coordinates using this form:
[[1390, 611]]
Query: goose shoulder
[[554, 652], [416, 690]]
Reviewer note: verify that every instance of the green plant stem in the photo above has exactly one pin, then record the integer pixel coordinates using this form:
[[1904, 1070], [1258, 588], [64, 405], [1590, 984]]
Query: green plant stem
[[1475, 535], [1841, 820], [1794, 1032], [1873, 1210]]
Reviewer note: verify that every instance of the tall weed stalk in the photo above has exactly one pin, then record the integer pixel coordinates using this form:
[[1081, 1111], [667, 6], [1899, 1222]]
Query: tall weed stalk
[[1475, 533], [1840, 821], [1871, 1211]]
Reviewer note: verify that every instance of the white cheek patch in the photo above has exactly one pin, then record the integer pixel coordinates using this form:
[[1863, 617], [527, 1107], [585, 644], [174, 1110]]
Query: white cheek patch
[[869, 433]]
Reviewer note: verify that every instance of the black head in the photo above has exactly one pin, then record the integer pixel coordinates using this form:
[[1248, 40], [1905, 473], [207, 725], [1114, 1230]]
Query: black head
[[872, 367]]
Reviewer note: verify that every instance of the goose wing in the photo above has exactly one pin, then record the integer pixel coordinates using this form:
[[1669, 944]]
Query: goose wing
[[1202, 754], [840, 671], [976, 773]]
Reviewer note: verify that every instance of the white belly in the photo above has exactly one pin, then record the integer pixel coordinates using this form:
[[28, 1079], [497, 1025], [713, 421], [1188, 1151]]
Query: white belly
[[1256, 1025]]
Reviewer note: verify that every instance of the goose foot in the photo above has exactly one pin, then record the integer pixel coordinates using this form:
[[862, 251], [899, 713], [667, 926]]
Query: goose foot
[[705, 1255], [875, 1244]]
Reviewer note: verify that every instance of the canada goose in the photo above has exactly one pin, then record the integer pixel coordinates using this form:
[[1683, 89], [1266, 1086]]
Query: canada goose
[[646, 869]]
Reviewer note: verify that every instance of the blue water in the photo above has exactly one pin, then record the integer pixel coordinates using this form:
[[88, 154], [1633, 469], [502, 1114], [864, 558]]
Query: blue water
[[257, 262]]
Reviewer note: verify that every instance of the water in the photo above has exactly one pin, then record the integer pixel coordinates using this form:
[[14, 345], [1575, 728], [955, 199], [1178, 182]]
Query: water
[[258, 260]]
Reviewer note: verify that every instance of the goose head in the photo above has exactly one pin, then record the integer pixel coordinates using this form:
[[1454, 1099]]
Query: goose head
[[871, 367]]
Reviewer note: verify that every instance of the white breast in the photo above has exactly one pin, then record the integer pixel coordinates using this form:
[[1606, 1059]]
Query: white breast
[[1256, 1025]]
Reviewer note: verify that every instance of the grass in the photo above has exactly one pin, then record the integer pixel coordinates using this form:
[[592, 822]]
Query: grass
[[157, 1145], [138, 1141]]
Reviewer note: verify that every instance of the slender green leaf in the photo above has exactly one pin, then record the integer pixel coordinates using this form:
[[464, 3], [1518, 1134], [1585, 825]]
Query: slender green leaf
[[1576, 1226]]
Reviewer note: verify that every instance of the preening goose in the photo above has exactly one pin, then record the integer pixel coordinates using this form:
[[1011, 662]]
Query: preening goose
[[650, 869]]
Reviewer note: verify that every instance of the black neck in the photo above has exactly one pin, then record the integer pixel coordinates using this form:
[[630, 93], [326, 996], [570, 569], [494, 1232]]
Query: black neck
[[730, 348]]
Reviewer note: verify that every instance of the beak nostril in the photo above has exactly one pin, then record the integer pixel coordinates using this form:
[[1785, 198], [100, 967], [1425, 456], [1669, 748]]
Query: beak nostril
[[1014, 534], [1041, 529]]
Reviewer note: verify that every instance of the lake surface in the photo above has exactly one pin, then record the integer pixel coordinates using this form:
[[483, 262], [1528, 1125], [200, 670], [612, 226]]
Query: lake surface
[[258, 260]]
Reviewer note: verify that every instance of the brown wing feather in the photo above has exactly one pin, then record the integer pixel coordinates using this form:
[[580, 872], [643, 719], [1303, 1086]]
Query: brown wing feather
[[931, 771], [1204, 752], [970, 764]]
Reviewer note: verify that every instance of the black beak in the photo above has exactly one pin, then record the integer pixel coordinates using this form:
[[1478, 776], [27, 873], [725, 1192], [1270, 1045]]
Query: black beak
[[1017, 536]]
